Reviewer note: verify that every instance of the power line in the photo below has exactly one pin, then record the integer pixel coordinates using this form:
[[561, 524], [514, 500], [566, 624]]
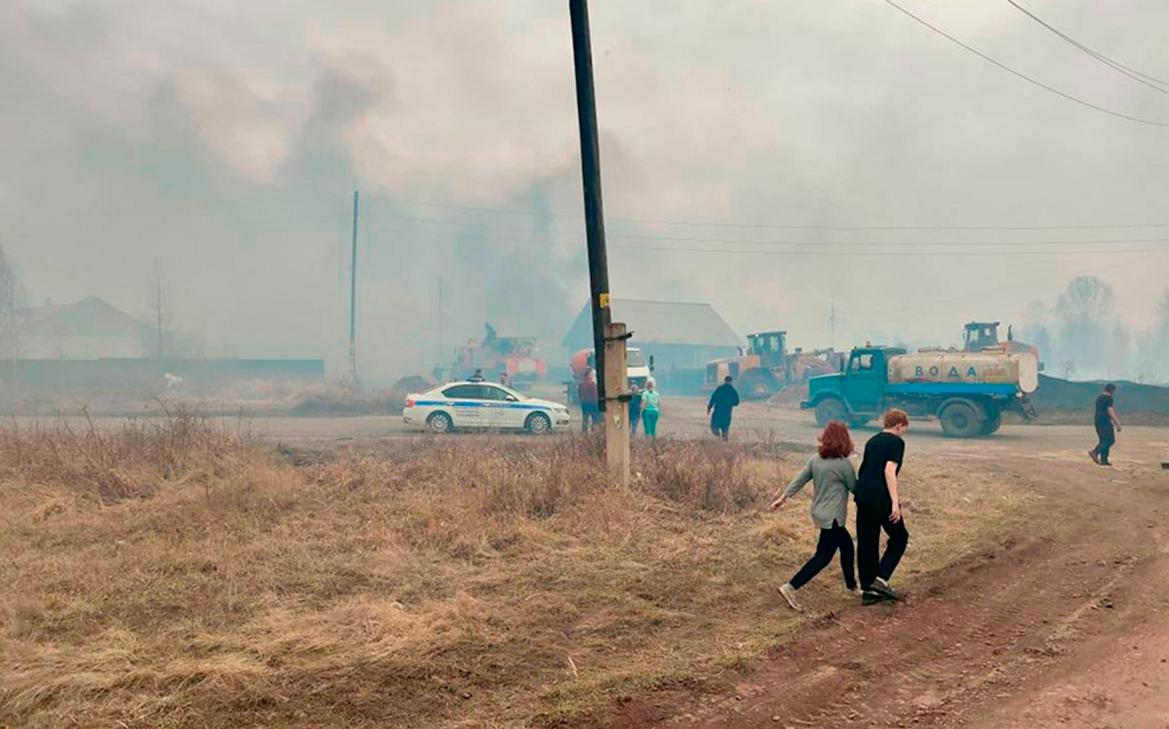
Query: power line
[[1025, 77], [888, 254], [806, 243], [772, 226], [1143, 78]]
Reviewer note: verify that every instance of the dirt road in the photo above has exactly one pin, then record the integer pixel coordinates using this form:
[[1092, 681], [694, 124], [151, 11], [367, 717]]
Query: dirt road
[[1066, 623]]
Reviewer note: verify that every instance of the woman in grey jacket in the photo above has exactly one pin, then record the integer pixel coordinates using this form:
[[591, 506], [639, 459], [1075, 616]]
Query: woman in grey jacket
[[835, 479]]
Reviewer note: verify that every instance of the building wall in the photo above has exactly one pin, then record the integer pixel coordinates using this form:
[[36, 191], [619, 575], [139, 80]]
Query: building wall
[[682, 356], [80, 346]]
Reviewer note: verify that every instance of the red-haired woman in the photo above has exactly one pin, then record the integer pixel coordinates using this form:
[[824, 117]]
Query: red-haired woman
[[834, 477]]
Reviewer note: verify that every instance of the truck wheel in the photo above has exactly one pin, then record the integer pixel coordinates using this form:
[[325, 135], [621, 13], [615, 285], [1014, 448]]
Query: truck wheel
[[962, 420], [757, 387], [992, 424], [829, 409]]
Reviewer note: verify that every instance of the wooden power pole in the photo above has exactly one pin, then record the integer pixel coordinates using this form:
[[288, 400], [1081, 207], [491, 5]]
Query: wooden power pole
[[608, 344], [353, 297]]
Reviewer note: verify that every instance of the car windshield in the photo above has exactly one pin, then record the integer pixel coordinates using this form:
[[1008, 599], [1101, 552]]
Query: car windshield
[[634, 358]]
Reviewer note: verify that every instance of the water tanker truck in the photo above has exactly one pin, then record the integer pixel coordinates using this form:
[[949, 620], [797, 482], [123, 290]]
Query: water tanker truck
[[967, 391]]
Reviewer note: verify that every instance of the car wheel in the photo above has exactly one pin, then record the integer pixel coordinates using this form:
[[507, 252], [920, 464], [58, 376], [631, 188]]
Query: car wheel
[[538, 424], [439, 423], [829, 409]]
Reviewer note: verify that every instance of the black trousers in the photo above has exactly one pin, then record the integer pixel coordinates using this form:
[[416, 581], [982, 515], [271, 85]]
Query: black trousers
[[720, 425], [1107, 436], [830, 540], [870, 562]]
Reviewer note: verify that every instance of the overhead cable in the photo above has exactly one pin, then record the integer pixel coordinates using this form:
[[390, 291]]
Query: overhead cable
[[1025, 77]]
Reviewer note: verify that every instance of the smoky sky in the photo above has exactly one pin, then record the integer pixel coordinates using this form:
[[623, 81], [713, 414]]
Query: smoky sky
[[222, 142]]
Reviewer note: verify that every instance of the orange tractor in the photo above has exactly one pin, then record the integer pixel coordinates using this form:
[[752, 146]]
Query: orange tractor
[[767, 367]]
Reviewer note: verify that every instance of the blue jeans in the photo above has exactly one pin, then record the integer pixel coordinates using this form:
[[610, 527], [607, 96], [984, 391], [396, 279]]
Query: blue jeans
[[589, 413]]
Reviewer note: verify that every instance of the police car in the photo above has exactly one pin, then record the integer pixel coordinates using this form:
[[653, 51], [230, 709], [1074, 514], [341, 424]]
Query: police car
[[457, 405]]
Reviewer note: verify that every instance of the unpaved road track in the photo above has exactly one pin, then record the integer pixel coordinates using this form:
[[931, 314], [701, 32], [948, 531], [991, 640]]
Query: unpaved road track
[[1066, 623]]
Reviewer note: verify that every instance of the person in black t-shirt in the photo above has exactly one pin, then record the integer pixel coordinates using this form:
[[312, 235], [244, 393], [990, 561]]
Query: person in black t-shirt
[[1107, 425], [878, 507]]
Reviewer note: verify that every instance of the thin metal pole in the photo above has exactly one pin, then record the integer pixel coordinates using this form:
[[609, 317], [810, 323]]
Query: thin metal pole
[[353, 296], [158, 300], [590, 159]]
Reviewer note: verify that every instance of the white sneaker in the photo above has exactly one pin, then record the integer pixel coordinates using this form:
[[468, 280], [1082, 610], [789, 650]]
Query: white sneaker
[[789, 594]]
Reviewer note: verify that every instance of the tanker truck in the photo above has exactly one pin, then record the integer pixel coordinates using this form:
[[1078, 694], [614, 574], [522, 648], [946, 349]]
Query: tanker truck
[[967, 391]]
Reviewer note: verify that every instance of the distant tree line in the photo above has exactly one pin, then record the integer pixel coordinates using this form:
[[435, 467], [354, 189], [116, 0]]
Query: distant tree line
[[1082, 337]]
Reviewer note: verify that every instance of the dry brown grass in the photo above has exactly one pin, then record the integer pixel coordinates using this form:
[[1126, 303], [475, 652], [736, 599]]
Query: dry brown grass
[[182, 576]]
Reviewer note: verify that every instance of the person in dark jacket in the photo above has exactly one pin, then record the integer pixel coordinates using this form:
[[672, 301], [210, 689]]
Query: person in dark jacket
[[477, 377], [1107, 425], [589, 411], [723, 400], [634, 409]]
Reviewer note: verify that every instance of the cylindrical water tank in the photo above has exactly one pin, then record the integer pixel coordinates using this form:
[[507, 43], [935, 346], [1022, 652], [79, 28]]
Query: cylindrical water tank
[[1018, 368]]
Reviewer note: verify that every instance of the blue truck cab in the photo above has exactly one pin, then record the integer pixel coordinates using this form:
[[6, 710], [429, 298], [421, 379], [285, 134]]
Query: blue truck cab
[[863, 392]]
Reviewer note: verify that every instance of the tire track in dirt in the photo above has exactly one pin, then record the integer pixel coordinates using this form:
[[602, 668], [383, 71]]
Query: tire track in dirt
[[1001, 628]]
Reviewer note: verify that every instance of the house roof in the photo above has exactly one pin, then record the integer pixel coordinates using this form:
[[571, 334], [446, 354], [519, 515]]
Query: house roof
[[90, 317], [660, 322]]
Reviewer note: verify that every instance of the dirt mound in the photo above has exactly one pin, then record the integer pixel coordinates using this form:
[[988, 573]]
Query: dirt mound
[[1131, 397], [790, 396]]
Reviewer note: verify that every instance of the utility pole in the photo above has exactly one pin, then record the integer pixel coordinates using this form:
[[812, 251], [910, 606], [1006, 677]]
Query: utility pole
[[832, 324], [353, 298], [158, 305], [608, 339], [441, 327]]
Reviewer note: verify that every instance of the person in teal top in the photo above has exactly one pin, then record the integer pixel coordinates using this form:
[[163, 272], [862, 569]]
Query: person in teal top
[[651, 408]]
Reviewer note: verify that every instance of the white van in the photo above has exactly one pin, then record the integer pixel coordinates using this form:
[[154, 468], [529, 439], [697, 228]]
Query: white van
[[637, 370]]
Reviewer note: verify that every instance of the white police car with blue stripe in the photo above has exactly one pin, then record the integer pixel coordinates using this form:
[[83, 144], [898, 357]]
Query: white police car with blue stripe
[[485, 405]]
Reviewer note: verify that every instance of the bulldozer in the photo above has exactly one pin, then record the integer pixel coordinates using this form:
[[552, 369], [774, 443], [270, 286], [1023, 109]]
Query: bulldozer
[[980, 335], [767, 366]]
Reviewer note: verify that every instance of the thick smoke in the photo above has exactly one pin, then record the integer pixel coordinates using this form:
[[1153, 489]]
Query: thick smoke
[[224, 143]]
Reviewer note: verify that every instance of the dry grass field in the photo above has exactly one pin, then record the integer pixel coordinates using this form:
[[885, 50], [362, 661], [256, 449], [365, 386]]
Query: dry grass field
[[180, 574]]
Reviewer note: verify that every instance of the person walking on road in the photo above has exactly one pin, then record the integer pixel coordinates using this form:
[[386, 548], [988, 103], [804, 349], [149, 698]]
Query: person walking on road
[[651, 408], [589, 411], [634, 409], [504, 379], [477, 377], [878, 507], [831, 471], [723, 400], [1107, 426]]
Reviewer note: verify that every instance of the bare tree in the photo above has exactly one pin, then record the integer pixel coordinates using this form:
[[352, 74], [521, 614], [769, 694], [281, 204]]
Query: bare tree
[[1037, 328], [1085, 311], [10, 316], [1153, 354]]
